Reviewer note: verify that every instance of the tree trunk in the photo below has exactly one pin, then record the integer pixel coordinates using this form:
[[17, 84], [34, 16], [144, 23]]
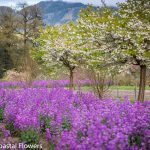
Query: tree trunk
[[142, 83], [71, 79]]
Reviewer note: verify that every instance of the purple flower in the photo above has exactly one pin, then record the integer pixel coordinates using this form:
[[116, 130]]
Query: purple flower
[[78, 121]]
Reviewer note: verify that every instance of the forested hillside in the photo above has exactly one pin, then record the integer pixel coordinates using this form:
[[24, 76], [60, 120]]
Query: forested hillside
[[17, 31]]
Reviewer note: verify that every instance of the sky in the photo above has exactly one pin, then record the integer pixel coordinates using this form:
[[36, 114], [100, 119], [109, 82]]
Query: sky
[[12, 3]]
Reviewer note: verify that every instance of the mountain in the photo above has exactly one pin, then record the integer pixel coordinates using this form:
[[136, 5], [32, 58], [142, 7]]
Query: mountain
[[59, 12], [5, 8], [55, 12]]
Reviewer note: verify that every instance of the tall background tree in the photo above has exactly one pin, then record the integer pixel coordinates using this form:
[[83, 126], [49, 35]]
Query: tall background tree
[[29, 21], [135, 36], [58, 50], [18, 28], [118, 39], [8, 40]]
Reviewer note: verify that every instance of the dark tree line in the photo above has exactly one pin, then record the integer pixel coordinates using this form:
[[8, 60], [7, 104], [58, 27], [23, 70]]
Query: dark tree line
[[18, 28]]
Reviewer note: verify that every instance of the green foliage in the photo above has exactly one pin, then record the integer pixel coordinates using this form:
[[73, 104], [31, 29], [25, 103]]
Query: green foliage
[[66, 124], [79, 135], [10, 127], [52, 145], [115, 38], [115, 41], [57, 49], [134, 140], [45, 123], [5, 64], [29, 137], [1, 115], [16, 35]]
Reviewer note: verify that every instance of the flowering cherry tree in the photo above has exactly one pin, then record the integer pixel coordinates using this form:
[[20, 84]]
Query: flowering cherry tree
[[57, 49], [118, 39]]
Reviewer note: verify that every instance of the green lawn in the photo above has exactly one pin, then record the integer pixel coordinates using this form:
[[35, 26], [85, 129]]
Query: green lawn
[[126, 87], [88, 88]]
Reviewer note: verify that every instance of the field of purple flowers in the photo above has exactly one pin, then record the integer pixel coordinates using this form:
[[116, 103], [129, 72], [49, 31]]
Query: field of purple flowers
[[44, 84], [74, 121]]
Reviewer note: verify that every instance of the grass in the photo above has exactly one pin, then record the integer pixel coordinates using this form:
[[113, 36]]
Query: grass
[[126, 87], [88, 88]]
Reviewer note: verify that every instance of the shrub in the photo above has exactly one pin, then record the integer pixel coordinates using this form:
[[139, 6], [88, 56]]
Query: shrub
[[29, 137]]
